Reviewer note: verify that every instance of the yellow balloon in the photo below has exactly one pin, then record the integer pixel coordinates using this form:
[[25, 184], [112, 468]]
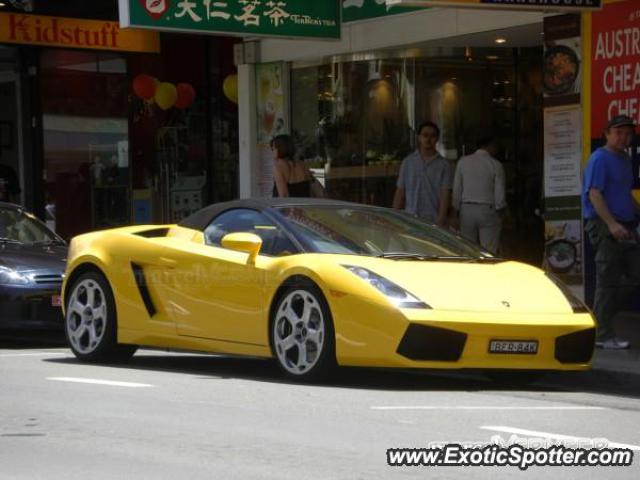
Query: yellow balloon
[[230, 87], [166, 95]]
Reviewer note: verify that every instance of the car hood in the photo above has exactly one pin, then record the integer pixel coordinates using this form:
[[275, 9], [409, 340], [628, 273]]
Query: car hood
[[33, 257], [479, 287]]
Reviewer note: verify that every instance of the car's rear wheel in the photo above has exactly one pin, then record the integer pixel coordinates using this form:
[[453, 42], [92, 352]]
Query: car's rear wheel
[[91, 323], [302, 334]]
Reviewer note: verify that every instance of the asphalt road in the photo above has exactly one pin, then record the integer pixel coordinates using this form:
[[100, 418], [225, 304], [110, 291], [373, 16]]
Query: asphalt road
[[172, 415]]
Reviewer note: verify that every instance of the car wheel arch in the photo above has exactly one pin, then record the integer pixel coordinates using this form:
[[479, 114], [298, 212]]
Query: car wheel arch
[[77, 273], [293, 281]]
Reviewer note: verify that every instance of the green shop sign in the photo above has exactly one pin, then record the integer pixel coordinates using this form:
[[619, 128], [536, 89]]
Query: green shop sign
[[354, 10], [269, 18]]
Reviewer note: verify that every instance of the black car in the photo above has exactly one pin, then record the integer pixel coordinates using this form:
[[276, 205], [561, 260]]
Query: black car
[[32, 263]]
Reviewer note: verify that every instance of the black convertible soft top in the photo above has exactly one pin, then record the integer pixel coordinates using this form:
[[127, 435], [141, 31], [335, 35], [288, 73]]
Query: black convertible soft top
[[202, 218]]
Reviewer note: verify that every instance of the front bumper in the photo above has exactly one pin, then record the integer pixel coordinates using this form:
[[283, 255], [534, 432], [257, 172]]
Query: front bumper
[[369, 334], [29, 307]]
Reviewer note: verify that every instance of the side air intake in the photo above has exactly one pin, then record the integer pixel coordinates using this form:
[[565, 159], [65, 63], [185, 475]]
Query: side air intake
[[141, 282]]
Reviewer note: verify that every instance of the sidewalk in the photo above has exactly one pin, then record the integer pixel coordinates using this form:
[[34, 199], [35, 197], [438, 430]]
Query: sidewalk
[[627, 361]]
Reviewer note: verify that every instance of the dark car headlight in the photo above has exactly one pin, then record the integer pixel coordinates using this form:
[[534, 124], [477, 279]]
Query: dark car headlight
[[395, 293], [577, 305], [8, 276]]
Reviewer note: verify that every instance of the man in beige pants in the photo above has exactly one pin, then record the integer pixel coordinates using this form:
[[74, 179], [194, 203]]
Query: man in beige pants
[[479, 195]]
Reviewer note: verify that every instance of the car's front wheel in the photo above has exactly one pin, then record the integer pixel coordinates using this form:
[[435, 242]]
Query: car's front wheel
[[302, 333], [91, 323]]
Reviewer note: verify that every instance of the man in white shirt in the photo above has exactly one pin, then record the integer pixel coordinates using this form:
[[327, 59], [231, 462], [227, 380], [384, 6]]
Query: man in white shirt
[[479, 194]]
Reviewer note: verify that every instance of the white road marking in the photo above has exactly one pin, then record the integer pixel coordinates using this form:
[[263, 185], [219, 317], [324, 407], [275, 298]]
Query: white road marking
[[40, 354], [484, 407], [553, 436], [94, 381]]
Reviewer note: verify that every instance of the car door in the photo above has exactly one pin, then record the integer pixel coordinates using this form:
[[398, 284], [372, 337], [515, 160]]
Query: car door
[[216, 292]]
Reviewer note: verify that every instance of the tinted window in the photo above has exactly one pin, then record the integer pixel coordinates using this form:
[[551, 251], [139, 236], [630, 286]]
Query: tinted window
[[274, 240], [21, 227], [373, 231]]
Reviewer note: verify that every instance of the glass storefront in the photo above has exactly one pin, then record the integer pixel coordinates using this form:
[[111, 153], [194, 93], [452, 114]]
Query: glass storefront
[[112, 158], [85, 139], [354, 120]]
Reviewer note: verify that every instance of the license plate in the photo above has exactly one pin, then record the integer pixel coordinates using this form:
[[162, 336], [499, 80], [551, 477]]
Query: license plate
[[526, 347], [56, 301]]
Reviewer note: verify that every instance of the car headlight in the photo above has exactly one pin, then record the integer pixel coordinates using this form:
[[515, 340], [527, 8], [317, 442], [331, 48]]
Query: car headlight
[[396, 294], [8, 276], [577, 305]]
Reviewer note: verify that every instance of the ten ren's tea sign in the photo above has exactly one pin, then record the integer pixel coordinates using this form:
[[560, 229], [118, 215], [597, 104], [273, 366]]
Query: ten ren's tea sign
[[277, 18]]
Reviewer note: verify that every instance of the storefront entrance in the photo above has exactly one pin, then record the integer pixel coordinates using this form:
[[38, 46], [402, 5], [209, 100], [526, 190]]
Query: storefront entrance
[[354, 121]]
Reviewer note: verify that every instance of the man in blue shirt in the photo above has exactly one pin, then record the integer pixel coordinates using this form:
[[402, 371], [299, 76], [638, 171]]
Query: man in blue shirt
[[423, 188], [612, 215]]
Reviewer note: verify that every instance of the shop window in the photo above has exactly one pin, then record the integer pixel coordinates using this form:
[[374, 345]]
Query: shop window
[[85, 133], [354, 122]]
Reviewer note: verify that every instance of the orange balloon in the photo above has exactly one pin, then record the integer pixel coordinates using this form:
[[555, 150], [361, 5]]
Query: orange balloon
[[166, 95], [186, 95], [144, 86]]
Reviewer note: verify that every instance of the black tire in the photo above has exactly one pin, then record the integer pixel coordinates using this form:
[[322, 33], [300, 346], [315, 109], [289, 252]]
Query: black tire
[[105, 348], [323, 358]]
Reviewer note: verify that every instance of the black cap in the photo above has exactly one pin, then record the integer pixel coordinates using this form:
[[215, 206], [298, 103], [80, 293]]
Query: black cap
[[621, 121]]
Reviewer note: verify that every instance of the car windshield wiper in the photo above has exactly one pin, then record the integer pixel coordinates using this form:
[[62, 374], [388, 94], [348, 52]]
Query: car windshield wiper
[[10, 240], [49, 243], [420, 256], [487, 260]]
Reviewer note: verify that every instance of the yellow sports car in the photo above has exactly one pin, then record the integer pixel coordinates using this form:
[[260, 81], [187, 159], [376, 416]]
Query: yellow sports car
[[315, 284]]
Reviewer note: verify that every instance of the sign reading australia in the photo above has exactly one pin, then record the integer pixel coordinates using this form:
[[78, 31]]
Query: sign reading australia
[[274, 18]]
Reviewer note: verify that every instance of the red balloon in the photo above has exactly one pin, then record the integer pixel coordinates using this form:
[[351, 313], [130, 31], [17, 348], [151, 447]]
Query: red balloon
[[144, 86], [186, 95]]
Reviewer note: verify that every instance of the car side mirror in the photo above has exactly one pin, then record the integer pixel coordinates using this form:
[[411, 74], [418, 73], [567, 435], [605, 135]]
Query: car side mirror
[[243, 242]]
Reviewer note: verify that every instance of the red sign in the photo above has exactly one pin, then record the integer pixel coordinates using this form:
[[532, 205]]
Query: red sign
[[615, 56], [156, 8]]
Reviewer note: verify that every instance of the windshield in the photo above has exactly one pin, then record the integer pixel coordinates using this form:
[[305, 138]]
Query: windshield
[[374, 231], [17, 226]]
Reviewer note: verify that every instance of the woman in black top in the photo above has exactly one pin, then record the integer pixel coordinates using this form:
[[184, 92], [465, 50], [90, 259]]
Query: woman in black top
[[291, 177]]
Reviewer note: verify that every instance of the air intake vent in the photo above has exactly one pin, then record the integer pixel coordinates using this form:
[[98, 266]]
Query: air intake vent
[[50, 279], [576, 347], [141, 282], [423, 342], [153, 233]]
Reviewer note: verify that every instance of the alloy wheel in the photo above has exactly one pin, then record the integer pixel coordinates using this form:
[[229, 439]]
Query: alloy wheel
[[86, 320], [299, 332]]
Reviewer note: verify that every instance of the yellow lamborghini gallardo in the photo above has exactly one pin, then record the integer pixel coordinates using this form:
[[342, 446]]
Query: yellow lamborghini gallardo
[[315, 284]]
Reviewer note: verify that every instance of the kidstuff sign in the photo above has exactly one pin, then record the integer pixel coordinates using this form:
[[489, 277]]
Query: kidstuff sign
[[74, 33], [277, 18], [615, 64]]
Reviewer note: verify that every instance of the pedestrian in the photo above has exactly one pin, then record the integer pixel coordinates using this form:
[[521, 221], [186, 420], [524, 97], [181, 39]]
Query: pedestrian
[[479, 195], [423, 188], [9, 185], [291, 177], [612, 216]]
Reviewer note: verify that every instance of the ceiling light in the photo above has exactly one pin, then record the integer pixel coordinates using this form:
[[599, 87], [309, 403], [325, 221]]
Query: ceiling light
[[501, 40]]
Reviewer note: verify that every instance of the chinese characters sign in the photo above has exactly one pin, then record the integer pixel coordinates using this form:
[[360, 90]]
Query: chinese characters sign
[[278, 18]]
